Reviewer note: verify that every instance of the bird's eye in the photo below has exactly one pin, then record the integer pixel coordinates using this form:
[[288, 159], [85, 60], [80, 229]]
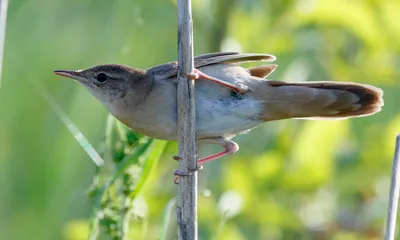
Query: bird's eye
[[101, 77]]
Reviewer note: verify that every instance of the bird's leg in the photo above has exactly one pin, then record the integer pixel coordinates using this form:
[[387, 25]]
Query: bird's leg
[[230, 148], [197, 74]]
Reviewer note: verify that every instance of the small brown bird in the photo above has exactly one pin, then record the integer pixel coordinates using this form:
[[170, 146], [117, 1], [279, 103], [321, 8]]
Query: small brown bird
[[230, 99]]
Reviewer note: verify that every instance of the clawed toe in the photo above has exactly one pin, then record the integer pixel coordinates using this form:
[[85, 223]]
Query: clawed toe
[[193, 76], [177, 158], [176, 180], [189, 172], [182, 174], [179, 174], [198, 167]]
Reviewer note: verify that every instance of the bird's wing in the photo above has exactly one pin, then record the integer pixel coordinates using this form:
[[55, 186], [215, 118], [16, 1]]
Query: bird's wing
[[170, 70], [231, 57]]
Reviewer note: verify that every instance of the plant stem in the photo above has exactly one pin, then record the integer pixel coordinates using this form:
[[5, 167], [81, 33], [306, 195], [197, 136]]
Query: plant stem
[[187, 199], [394, 193], [3, 21]]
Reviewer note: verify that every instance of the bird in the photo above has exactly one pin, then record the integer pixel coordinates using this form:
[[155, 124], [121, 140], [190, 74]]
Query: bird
[[230, 99]]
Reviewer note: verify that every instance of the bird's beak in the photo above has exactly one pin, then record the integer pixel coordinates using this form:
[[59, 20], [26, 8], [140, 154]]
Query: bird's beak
[[70, 74]]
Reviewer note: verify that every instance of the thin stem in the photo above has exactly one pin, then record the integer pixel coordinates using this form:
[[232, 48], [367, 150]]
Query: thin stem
[[220, 228], [126, 218], [3, 21], [187, 199], [167, 218], [394, 193], [145, 227]]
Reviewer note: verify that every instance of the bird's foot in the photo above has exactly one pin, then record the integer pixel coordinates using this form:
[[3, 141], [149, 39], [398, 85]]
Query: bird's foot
[[197, 74], [190, 171]]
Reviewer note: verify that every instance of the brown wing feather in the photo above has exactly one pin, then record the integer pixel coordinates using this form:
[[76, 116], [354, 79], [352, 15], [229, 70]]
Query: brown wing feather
[[169, 70], [262, 71], [231, 58]]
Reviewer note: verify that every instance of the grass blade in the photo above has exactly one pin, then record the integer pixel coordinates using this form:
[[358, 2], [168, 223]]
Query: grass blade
[[3, 21], [155, 152], [167, 218], [72, 128]]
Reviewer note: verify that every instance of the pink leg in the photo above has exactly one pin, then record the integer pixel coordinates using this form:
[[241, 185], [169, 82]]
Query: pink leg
[[200, 75], [230, 148]]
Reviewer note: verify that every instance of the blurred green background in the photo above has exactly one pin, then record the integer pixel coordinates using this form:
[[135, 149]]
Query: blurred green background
[[292, 179]]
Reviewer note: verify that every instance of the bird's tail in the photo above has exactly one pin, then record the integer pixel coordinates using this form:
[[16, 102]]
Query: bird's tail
[[328, 100]]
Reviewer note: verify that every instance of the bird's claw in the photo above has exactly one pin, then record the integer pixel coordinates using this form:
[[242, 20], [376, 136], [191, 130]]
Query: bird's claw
[[182, 174], [193, 76], [175, 65], [198, 167], [190, 171]]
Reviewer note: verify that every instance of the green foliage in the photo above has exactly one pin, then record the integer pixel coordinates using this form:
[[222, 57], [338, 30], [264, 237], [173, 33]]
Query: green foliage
[[291, 179], [133, 156]]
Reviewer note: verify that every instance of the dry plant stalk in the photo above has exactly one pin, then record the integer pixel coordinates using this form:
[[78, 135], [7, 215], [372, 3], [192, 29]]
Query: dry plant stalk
[[187, 199]]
